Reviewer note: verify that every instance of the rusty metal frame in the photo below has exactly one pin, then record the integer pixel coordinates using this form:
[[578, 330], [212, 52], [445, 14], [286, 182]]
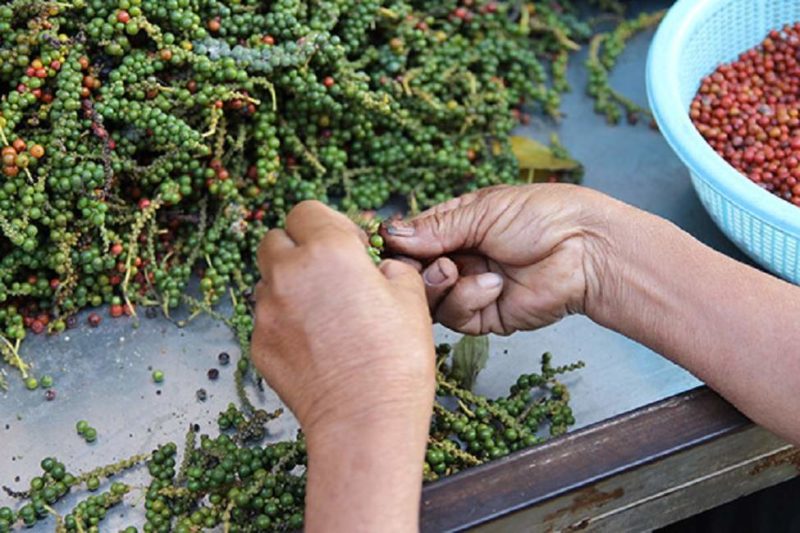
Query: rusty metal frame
[[642, 470]]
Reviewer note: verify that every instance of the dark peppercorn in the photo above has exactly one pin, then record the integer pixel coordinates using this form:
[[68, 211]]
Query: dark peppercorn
[[213, 374], [224, 358]]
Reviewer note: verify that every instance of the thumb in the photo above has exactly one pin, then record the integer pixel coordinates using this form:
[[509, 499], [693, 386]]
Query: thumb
[[404, 276], [464, 307]]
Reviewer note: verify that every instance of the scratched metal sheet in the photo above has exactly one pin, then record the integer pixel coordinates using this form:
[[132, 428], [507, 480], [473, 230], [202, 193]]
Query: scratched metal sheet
[[104, 375]]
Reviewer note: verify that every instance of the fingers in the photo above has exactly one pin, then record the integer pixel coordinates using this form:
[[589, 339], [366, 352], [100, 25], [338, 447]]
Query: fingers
[[454, 227], [449, 205], [400, 272], [403, 276], [462, 307], [274, 244], [439, 277], [460, 201], [312, 220], [411, 262], [436, 234]]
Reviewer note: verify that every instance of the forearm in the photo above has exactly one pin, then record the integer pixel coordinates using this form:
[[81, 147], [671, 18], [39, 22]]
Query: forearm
[[731, 325], [367, 478]]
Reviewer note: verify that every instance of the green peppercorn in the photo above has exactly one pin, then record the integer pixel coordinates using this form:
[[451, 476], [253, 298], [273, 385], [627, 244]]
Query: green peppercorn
[[90, 434], [81, 426]]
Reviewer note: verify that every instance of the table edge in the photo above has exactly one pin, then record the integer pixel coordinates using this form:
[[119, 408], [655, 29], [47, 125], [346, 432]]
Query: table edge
[[592, 453]]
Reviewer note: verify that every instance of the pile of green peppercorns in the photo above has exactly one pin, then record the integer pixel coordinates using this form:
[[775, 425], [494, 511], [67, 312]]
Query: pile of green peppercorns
[[147, 141]]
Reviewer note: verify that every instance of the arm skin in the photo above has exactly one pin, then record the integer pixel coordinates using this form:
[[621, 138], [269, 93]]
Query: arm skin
[[731, 325], [369, 477], [561, 250]]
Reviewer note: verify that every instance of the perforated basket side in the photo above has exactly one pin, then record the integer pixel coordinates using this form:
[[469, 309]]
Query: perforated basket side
[[766, 244], [695, 37]]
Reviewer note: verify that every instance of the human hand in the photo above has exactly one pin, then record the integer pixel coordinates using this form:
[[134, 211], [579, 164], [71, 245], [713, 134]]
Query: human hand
[[339, 340], [507, 258], [349, 348]]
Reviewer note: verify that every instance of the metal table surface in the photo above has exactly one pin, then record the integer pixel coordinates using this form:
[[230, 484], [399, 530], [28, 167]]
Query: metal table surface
[[103, 375]]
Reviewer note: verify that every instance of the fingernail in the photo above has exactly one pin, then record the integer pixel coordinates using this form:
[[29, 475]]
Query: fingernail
[[434, 275], [490, 280], [399, 229]]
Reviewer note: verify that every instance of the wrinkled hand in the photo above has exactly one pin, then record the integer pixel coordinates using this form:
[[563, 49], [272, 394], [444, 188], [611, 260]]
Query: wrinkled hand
[[508, 258], [340, 340]]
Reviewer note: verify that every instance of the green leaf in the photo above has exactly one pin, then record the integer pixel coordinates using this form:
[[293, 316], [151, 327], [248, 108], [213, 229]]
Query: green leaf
[[470, 355]]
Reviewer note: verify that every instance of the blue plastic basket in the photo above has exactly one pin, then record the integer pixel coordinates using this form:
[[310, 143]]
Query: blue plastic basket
[[694, 38]]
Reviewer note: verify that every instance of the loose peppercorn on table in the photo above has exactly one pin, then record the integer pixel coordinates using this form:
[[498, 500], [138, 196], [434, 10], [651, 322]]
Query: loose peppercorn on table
[[650, 445]]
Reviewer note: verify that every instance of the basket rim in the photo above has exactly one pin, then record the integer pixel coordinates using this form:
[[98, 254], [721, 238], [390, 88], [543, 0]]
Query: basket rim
[[682, 136]]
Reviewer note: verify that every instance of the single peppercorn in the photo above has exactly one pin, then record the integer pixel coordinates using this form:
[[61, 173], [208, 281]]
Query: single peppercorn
[[90, 434], [158, 376], [224, 358], [213, 374], [94, 320]]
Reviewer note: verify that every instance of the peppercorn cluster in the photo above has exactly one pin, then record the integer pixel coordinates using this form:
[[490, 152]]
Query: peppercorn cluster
[[749, 112], [236, 482], [143, 140], [604, 51], [54, 483], [476, 429]]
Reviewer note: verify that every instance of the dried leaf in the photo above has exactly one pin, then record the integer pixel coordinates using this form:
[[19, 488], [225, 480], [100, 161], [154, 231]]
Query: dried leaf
[[534, 156], [470, 355]]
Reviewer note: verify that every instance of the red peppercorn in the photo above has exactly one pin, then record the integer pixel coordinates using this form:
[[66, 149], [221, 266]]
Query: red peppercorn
[[116, 311], [37, 327], [329, 82], [144, 203], [123, 16], [94, 319], [749, 112]]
